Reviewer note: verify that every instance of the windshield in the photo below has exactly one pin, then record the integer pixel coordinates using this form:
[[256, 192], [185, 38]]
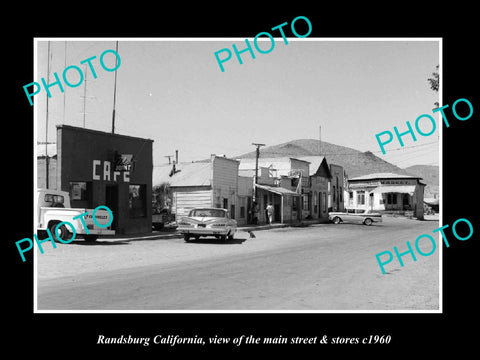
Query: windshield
[[208, 213]]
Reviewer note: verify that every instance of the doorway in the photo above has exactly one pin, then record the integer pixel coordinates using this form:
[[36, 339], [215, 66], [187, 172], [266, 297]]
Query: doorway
[[111, 201]]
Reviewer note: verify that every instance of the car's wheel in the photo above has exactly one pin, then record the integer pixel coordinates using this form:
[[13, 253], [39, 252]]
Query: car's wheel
[[368, 221], [337, 220], [186, 237], [223, 237], [230, 237], [158, 226], [61, 232]]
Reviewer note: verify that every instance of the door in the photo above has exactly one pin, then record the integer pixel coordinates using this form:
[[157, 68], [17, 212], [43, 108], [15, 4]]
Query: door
[[276, 212], [111, 201]]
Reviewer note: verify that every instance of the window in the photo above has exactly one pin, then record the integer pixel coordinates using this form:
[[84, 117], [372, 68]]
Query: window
[[334, 193], [54, 200], [242, 212], [305, 202], [324, 202], [360, 211], [295, 203], [232, 211], [78, 190], [208, 213], [137, 201], [361, 197], [340, 194], [392, 198]]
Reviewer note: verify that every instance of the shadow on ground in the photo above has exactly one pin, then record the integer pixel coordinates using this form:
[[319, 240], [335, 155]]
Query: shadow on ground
[[216, 241]]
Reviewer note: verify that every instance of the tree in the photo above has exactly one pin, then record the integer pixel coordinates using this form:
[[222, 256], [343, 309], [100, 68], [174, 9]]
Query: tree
[[162, 197], [435, 82]]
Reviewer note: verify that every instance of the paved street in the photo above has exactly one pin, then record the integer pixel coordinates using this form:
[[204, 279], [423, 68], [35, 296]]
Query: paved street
[[320, 267]]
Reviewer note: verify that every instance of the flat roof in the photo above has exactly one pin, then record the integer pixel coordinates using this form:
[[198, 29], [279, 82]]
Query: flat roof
[[383, 176], [76, 128]]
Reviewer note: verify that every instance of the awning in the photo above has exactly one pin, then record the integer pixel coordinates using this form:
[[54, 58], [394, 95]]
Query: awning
[[277, 190], [404, 189]]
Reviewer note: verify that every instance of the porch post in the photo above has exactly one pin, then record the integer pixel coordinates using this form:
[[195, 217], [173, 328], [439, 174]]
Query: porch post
[[281, 209]]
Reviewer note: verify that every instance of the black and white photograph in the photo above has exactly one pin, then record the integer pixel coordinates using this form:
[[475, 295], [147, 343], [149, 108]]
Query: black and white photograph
[[262, 181], [262, 187]]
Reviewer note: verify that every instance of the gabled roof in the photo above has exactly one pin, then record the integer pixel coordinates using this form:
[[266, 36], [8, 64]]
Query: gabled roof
[[190, 174], [315, 163]]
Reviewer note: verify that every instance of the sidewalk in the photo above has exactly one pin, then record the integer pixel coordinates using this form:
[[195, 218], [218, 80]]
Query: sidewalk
[[173, 234]]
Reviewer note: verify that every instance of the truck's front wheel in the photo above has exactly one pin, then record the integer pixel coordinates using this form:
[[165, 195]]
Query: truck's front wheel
[[60, 233]]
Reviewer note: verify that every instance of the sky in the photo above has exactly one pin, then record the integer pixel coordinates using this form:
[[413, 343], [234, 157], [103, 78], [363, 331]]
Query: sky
[[173, 91]]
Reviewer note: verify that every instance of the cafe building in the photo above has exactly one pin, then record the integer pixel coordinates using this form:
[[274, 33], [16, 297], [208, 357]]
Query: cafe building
[[100, 168]]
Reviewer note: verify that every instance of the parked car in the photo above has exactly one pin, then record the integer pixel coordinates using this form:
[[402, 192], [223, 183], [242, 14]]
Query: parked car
[[207, 222], [365, 216]]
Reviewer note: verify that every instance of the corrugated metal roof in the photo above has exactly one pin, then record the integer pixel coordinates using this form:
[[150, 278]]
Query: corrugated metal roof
[[190, 174]]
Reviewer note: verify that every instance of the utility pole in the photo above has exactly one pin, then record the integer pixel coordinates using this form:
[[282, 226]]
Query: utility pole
[[47, 160], [257, 155], [319, 140], [85, 97], [115, 90]]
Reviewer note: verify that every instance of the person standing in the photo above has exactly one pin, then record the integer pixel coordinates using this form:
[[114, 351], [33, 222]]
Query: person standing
[[255, 213], [269, 211]]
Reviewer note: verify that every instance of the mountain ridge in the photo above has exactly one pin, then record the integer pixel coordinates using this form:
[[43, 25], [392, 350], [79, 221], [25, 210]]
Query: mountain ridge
[[355, 162]]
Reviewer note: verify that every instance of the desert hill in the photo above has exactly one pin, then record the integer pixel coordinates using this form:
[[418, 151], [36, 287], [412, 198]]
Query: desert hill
[[354, 162]]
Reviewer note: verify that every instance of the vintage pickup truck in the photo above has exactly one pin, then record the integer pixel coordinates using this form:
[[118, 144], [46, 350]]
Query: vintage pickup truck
[[53, 207]]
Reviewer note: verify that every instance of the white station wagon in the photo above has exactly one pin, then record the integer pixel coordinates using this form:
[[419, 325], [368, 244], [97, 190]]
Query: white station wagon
[[207, 222], [364, 216]]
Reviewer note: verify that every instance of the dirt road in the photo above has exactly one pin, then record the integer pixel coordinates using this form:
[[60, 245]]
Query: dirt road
[[321, 267]]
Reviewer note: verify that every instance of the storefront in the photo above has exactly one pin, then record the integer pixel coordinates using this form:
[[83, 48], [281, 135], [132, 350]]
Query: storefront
[[387, 192], [99, 168]]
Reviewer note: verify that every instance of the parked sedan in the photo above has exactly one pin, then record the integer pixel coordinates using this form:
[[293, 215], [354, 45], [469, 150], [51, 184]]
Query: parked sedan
[[207, 222], [364, 216]]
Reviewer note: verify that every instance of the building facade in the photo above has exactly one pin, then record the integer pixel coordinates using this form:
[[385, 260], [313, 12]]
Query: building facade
[[336, 200], [318, 194], [387, 192], [99, 168], [212, 183]]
